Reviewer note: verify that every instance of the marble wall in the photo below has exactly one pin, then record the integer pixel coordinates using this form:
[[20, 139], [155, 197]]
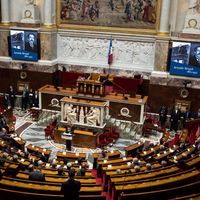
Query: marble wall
[[161, 54], [175, 81], [48, 43], [4, 33]]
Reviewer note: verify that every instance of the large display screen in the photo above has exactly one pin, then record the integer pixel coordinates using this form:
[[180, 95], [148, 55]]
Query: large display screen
[[185, 59], [24, 45]]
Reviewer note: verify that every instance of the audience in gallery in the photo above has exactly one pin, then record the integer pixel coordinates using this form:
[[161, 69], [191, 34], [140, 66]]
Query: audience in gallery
[[70, 189]]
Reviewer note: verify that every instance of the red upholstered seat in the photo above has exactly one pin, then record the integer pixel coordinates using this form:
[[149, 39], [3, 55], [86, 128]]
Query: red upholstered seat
[[102, 141], [174, 141], [49, 131]]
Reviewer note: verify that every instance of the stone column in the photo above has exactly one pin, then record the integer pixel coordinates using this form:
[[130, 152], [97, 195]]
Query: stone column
[[102, 116], [142, 114], [48, 9], [164, 18], [62, 111], [5, 12], [40, 100]]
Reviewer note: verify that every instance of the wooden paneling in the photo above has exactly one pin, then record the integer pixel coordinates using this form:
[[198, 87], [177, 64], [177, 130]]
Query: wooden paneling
[[11, 77], [166, 95]]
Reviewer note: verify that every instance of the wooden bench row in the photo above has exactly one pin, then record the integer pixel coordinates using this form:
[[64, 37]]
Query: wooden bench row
[[160, 184], [22, 195], [174, 193]]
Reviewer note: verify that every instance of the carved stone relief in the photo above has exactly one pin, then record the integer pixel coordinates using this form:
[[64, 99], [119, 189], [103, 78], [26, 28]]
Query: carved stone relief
[[94, 52]]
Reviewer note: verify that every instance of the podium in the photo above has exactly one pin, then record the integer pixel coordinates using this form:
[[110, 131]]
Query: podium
[[68, 138]]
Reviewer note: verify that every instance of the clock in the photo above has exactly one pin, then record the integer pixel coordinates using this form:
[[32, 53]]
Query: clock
[[23, 75], [27, 14], [192, 23]]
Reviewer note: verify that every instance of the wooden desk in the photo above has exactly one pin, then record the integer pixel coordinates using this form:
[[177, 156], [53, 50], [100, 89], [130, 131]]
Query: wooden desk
[[70, 155], [37, 149], [85, 139], [19, 142], [113, 154], [80, 138], [130, 150]]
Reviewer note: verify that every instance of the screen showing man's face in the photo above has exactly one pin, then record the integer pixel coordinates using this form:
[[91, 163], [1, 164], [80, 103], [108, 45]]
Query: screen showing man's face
[[31, 39], [197, 54]]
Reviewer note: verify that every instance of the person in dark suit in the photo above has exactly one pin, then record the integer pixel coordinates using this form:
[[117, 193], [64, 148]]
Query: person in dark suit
[[56, 79], [25, 98], [175, 117], [36, 175], [30, 44], [187, 115], [197, 115], [5, 101], [71, 187], [195, 58], [35, 99], [163, 116], [11, 96]]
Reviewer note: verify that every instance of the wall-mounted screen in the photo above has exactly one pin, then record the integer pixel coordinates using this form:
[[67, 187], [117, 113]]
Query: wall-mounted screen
[[185, 59], [24, 45]]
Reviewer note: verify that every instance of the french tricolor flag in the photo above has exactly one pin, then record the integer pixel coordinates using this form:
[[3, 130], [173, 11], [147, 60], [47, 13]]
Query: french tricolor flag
[[110, 53]]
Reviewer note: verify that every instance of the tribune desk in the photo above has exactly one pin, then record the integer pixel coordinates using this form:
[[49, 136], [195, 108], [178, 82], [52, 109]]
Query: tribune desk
[[80, 138], [121, 106], [85, 139]]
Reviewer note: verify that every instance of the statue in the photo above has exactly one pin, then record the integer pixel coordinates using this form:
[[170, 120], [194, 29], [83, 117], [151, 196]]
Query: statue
[[70, 113], [93, 116], [81, 116], [194, 4]]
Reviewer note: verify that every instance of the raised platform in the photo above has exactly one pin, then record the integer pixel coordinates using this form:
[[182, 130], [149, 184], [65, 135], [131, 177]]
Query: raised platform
[[121, 106]]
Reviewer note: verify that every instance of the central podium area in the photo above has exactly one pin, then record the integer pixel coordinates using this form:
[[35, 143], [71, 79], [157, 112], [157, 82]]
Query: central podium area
[[87, 117], [80, 138]]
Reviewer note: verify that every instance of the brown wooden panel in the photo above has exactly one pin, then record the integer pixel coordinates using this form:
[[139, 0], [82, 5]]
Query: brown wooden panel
[[134, 111], [166, 95], [11, 77], [88, 141]]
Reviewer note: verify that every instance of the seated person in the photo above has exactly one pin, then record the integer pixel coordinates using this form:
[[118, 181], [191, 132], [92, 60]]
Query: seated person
[[11, 171], [3, 123], [36, 175], [81, 172], [5, 136], [61, 171]]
